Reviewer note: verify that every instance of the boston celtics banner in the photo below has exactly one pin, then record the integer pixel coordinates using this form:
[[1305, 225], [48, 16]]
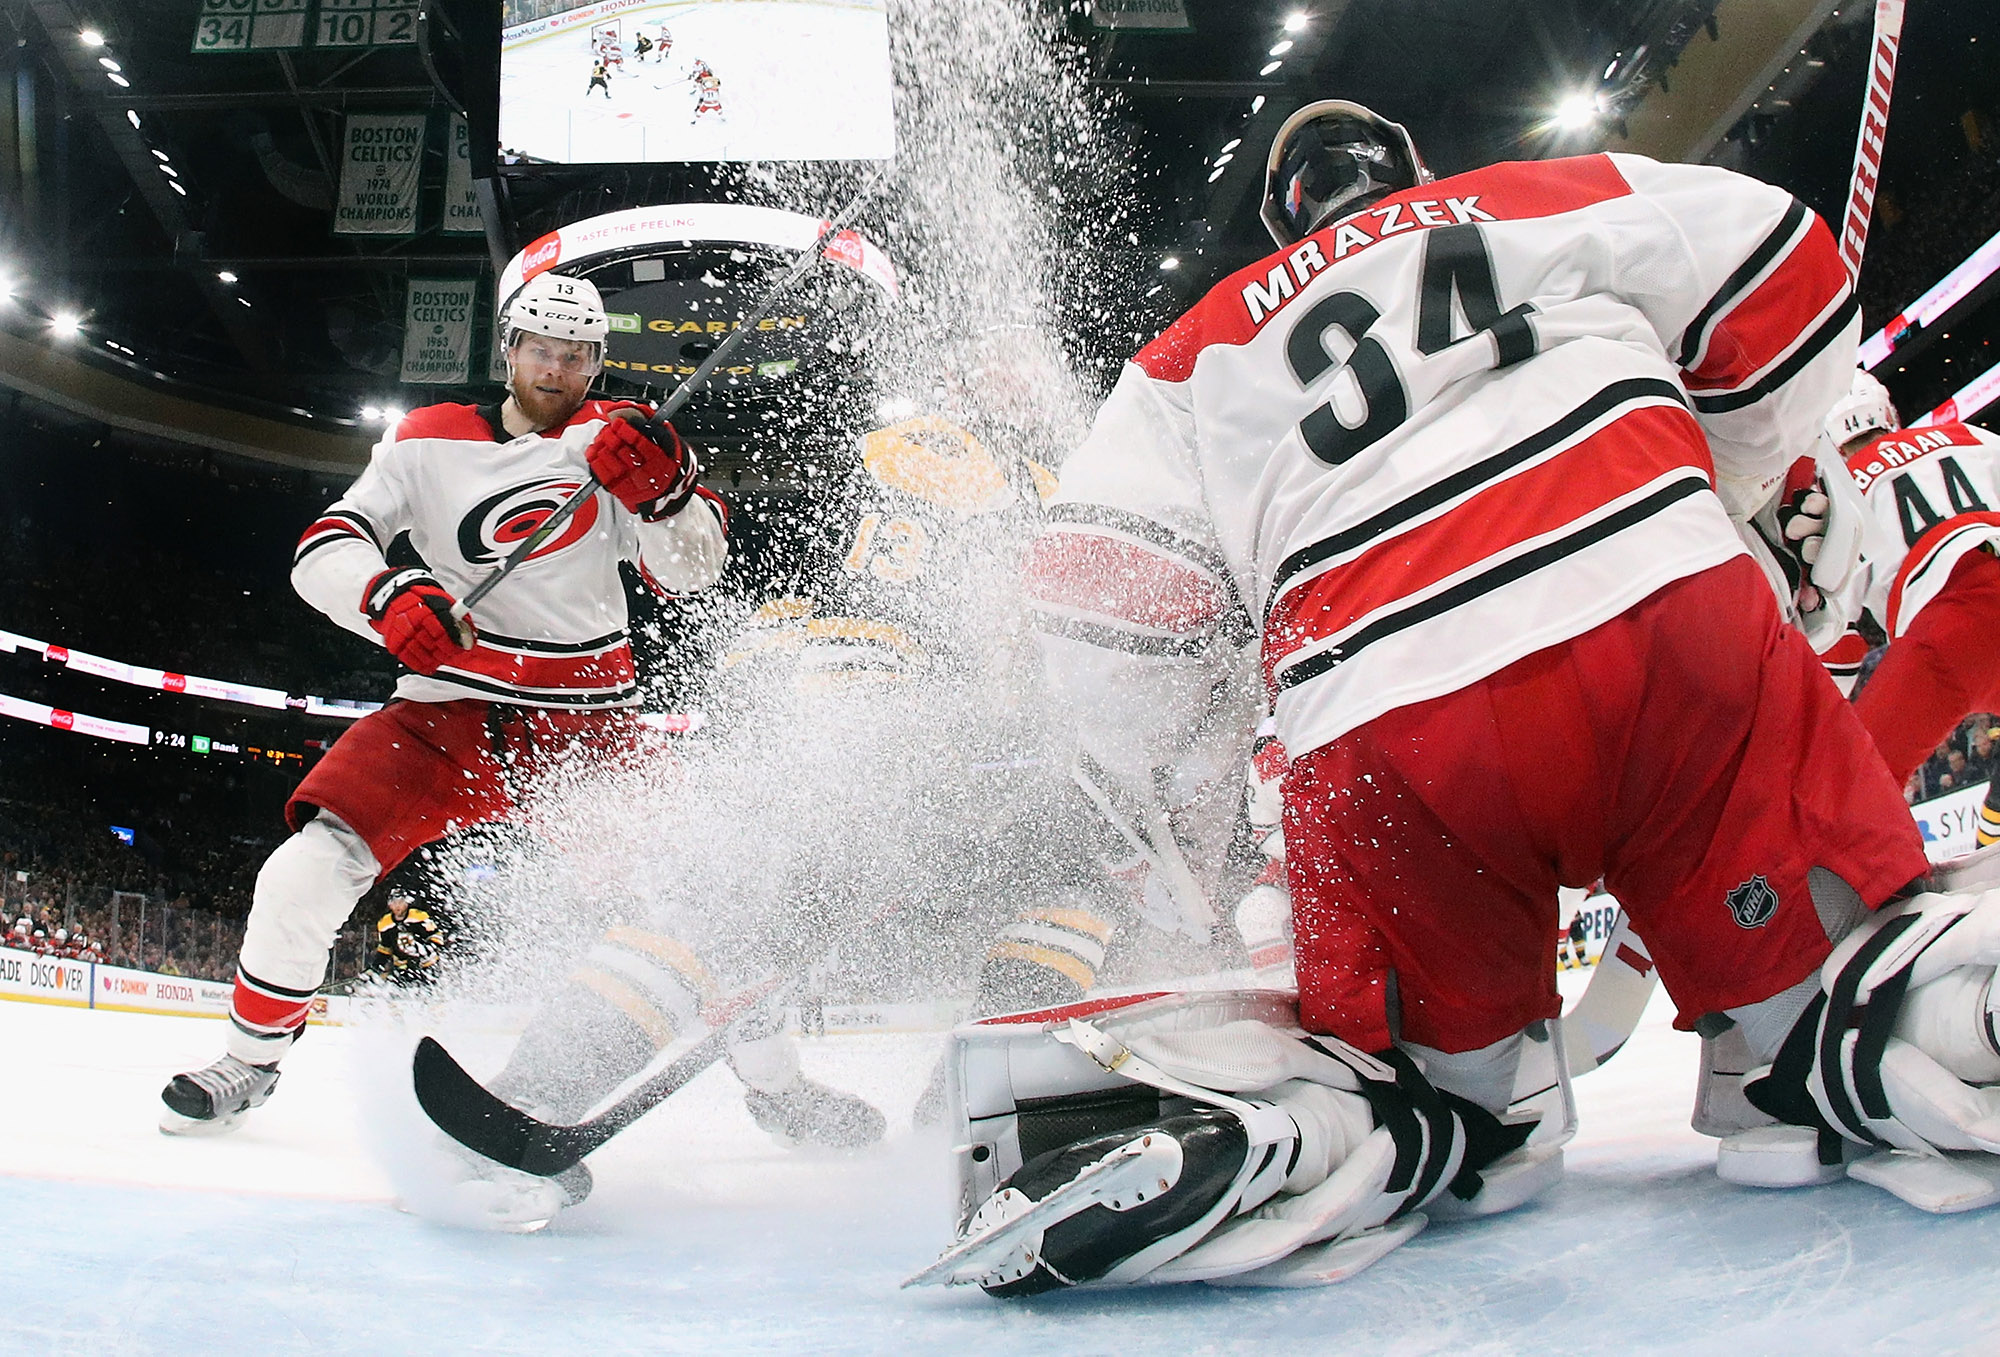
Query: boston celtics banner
[[437, 330], [461, 204], [381, 160]]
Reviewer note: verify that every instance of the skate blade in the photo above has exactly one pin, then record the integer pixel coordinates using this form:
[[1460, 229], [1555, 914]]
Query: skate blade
[[173, 1123]]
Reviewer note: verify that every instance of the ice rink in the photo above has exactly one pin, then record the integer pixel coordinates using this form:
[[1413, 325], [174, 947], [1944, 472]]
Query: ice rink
[[705, 1236], [800, 80]]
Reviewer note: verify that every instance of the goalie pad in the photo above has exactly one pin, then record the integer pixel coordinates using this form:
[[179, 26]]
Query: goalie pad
[[1302, 1140], [1898, 1052]]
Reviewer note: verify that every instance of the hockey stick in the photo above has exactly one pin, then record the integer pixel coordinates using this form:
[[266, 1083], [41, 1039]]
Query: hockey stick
[[1868, 141], [466, 1111], [681, 395], [476, 1118]]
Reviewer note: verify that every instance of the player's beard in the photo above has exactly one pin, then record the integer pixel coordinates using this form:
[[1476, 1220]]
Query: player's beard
[[547, 408]]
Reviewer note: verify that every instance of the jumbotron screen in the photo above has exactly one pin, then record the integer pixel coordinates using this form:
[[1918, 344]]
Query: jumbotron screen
[[619, 81]]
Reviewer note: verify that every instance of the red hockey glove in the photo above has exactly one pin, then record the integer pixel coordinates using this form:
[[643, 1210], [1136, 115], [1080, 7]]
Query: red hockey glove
[[653, 479], [413, 613]]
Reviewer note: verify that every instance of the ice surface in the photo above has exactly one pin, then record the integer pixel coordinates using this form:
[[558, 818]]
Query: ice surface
[[705, 1236]]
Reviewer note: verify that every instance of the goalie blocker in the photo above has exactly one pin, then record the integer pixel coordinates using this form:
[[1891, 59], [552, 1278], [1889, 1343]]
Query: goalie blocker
[[1206, 1137]]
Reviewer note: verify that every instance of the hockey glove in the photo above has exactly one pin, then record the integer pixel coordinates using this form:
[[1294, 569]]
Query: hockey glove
[[412, 611], [654, 479], [1899, 1051]]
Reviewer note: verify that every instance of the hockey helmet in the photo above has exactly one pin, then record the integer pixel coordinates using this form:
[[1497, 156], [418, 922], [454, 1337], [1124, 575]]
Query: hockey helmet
[[1330, 160], [560, 307], [1866, 408]]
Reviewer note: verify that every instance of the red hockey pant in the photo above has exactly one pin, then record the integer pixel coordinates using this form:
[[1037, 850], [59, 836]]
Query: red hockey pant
[[1681, 751], [1944, 668]]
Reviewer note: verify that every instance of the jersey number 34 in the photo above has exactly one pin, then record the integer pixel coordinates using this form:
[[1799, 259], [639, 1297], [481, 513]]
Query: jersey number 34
[[1456, 266]]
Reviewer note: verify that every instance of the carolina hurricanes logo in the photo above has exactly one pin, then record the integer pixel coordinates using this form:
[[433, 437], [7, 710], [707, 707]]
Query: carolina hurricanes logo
[[498, 524]]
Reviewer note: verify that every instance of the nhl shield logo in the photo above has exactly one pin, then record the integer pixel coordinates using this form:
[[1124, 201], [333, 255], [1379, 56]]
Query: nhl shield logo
[[1753, 903]]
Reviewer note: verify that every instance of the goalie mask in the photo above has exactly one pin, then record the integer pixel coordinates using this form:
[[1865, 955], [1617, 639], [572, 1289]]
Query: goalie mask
[[1330, 160]]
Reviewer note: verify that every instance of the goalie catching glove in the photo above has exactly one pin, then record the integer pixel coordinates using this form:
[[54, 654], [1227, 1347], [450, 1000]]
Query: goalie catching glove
[[1318, 1169], [1894, 1064], [649, 471]]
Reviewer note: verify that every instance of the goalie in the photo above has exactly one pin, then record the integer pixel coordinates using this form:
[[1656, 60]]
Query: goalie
[[1514, 643]]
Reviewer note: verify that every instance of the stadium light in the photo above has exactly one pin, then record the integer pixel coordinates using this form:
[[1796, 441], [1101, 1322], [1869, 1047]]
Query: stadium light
[[175, 185], [1296, 21], [1229, 146], [108, 64], [226, 276], [1577, 112], [90, 37], [65, 325], [1283, 46], [132, 116], [1256, 105], [371, 412], [1270, 66], [1217, 173], [1225, 157], [1170, 263], [120, 81], [391, 415], [158, 154]]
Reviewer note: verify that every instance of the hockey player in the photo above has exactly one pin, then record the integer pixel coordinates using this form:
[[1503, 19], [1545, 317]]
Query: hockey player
[[1932, 583], [641, 45], [708, 97], [541, 675], [600, 79], [1459, 444], [408, 940]]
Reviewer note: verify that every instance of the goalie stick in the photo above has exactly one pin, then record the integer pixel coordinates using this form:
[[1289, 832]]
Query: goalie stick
[[671, 406]]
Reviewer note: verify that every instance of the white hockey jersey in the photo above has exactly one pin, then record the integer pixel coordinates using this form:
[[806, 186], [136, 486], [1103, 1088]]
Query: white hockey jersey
[[1471, 422], [1933, 494], [552, 635]]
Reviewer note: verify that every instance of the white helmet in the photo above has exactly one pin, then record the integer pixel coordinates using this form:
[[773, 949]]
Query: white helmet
[[560, 307], [1866, 408]]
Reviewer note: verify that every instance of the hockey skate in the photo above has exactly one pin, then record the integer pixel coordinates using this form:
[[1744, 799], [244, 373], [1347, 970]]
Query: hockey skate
[[211, 1101], [806, 1113]]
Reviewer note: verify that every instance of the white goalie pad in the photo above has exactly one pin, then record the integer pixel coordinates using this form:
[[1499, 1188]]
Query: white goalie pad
[[1014, 1090]]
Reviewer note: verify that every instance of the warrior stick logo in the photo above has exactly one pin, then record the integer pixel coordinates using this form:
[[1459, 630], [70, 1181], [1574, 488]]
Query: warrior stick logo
[[499, 523], [1753, 903]]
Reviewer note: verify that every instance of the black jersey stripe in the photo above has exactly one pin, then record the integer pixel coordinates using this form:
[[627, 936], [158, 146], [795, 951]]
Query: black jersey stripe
[[1695, 338], [1828, 331], [1203, 558], [1627, 391], [1480, 585], [537, 697], [494, 638], [1111, 638]]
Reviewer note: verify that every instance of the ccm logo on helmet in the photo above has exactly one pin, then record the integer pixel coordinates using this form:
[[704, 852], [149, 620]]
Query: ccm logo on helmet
[[496, 525]]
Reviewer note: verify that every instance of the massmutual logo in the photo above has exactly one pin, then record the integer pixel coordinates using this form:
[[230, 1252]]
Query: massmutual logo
[[1753, 903]]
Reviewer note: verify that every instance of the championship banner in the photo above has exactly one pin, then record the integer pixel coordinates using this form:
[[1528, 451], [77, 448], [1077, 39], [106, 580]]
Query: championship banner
[[381, 162], [461, 204], [437, 330]]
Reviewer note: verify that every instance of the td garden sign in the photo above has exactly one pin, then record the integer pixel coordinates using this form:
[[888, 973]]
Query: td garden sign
[[677, 281]]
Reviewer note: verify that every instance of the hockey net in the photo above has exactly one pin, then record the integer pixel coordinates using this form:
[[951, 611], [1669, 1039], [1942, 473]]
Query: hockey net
[[607, 44]]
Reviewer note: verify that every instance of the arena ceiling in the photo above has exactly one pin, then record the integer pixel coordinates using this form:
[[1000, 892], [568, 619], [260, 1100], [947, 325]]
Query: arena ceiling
[[181, 209]]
